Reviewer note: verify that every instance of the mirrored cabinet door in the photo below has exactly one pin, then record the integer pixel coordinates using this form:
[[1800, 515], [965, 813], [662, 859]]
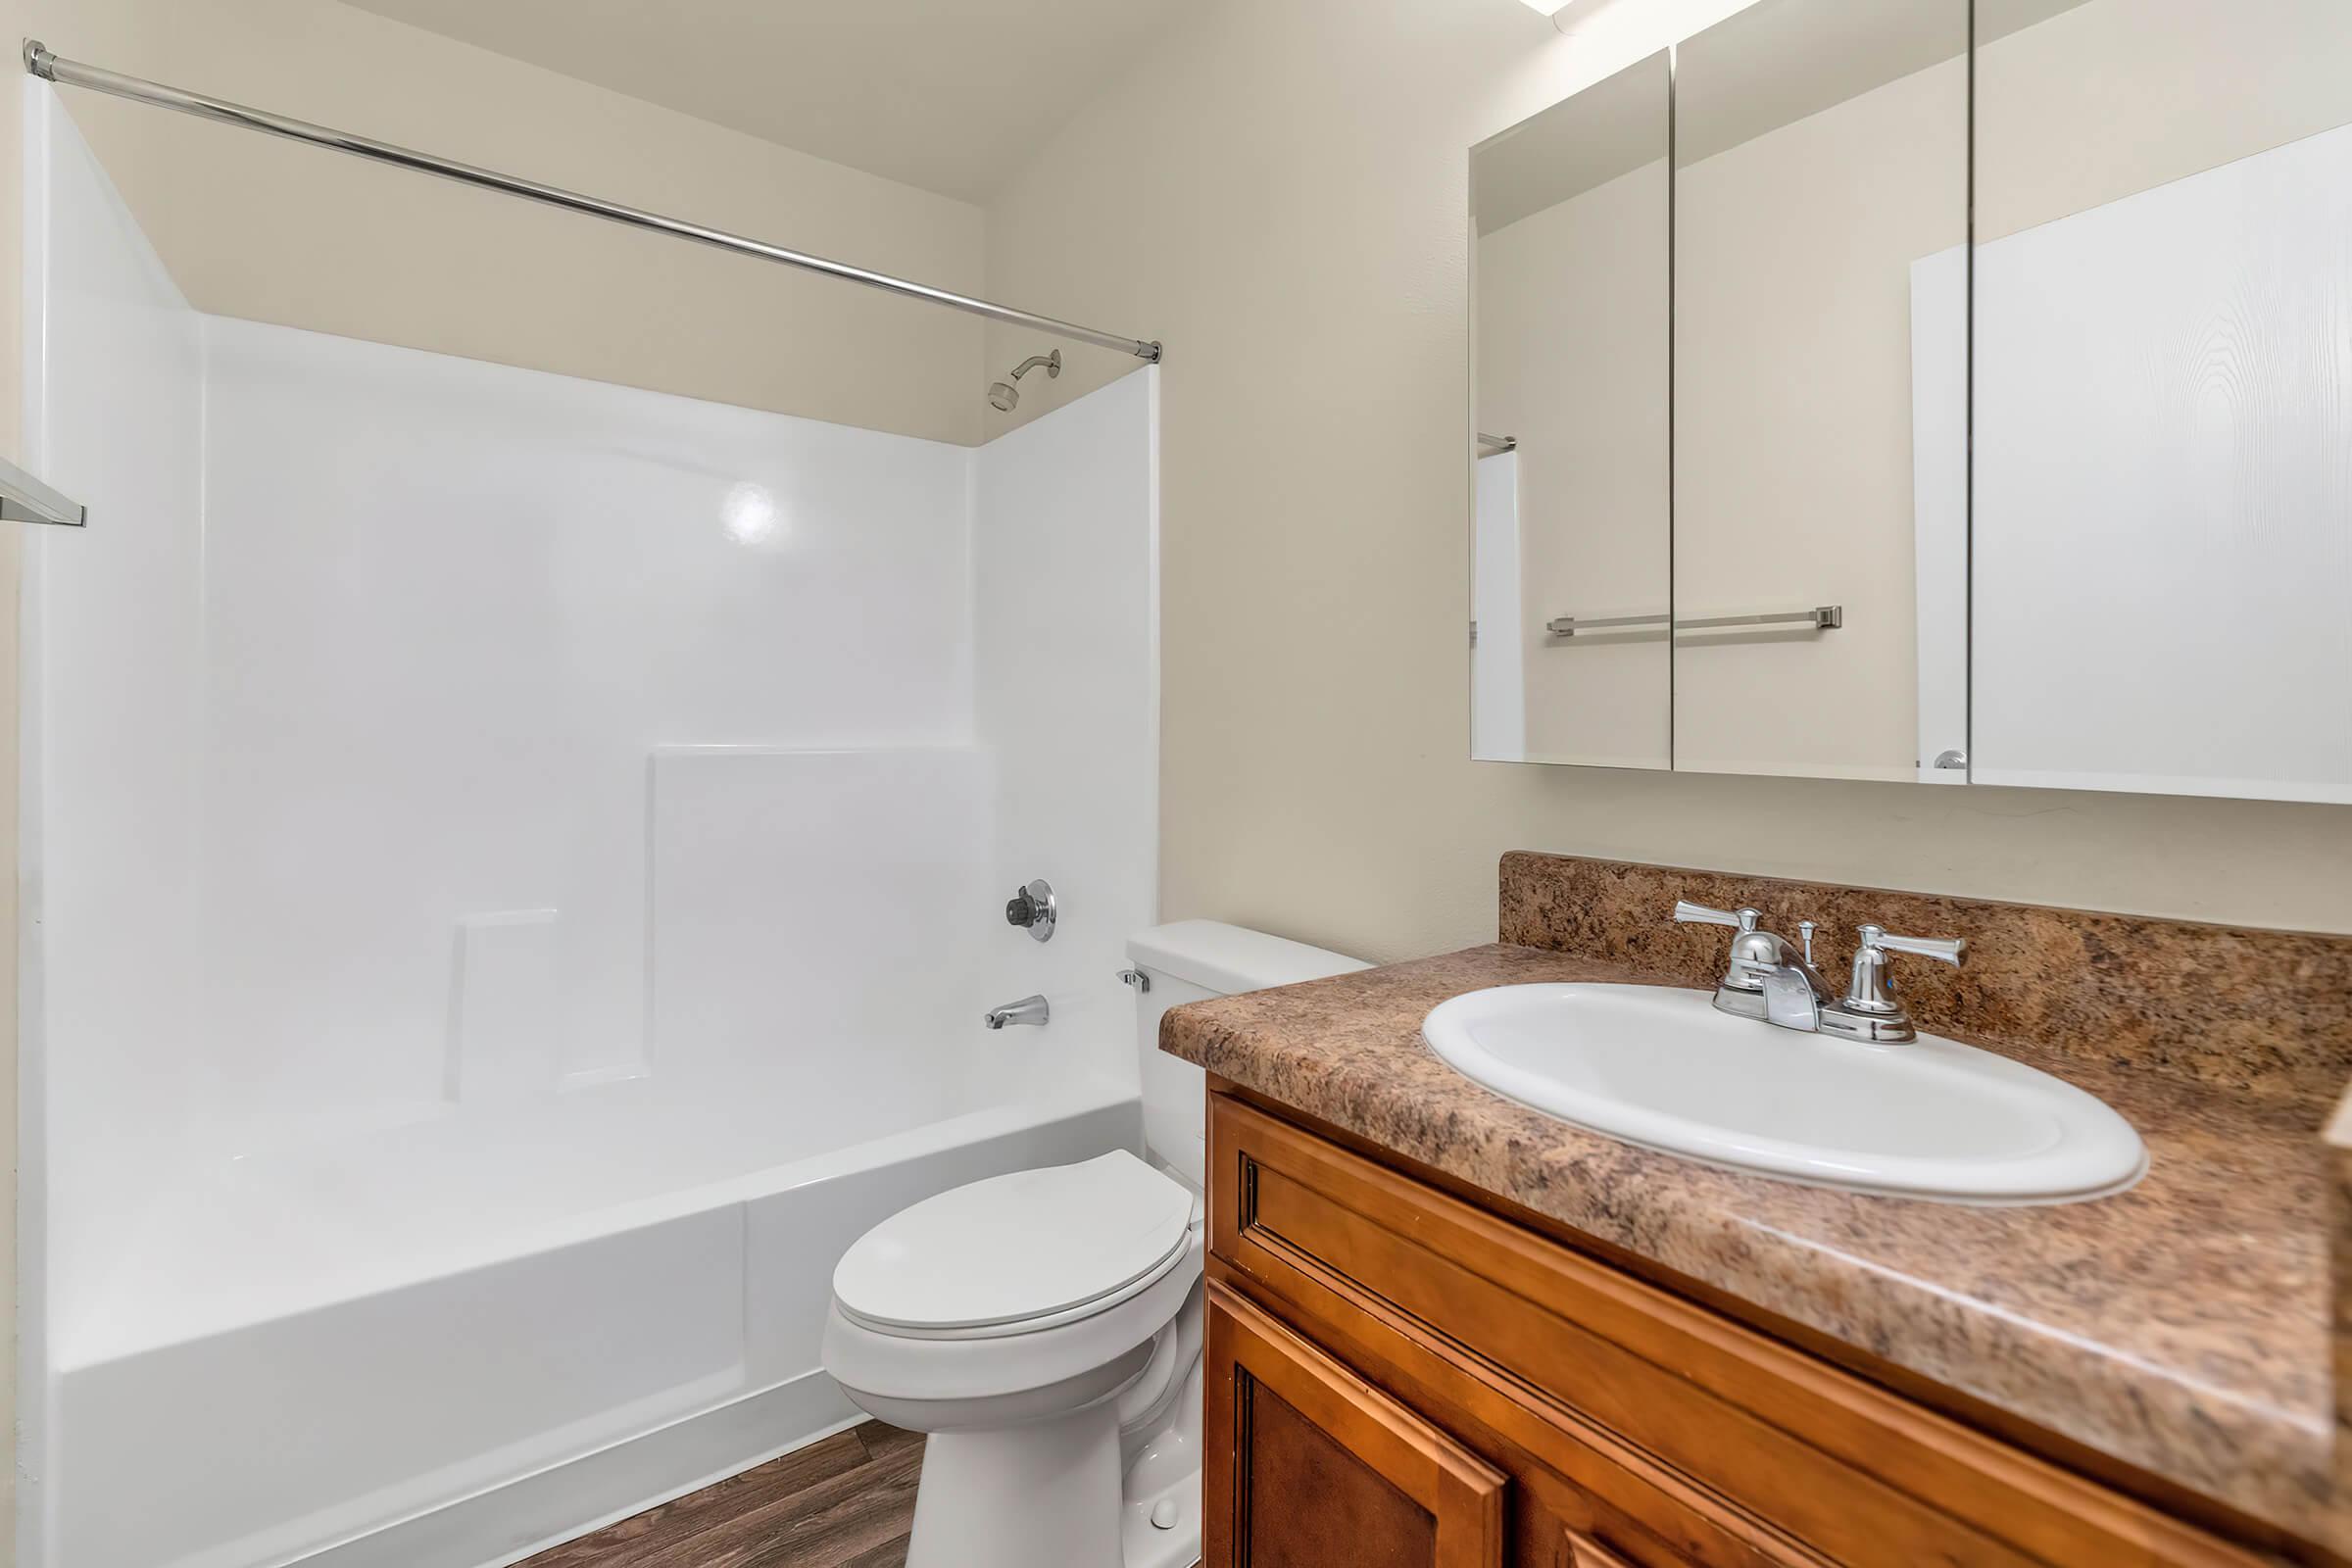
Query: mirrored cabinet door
[[1797, 471], [2163, 516], [1820, 391], [1570, 551]]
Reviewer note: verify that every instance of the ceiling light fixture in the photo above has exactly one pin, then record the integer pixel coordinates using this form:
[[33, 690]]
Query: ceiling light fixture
[[1547, 8]]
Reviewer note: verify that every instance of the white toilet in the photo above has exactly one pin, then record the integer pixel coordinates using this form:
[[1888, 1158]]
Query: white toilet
[[1044, 1328]]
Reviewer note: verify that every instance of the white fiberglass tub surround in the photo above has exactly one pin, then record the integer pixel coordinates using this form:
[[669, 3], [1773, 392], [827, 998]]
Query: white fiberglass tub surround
[[514, 870]]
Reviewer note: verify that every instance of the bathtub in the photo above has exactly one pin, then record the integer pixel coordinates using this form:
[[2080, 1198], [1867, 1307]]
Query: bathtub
[[449, 1344]]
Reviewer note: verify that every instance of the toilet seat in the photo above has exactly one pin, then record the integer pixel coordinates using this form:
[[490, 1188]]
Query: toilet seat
[[890, 1372], [1017, 1253]]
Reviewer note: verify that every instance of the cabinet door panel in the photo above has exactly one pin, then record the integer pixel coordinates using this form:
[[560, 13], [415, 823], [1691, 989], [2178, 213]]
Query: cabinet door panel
[[1308, 1465]]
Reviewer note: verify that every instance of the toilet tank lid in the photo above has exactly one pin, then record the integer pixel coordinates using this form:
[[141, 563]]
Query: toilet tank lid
[[1228, 958]]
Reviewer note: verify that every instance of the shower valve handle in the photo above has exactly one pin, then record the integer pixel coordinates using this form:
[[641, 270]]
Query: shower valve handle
[[1032, 908]]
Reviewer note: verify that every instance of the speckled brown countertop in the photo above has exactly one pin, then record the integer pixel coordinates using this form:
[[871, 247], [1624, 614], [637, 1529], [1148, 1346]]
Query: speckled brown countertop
[[2182, 1328]]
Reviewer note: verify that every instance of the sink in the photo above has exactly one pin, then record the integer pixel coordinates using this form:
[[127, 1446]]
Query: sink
[[1928, 1118]]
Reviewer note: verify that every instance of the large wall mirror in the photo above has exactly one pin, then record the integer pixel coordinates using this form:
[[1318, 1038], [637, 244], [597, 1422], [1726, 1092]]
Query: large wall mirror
[[1734, 338]]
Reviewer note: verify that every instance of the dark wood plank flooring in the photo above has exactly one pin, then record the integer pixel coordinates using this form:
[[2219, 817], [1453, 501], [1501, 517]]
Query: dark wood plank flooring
[[846, 1501]]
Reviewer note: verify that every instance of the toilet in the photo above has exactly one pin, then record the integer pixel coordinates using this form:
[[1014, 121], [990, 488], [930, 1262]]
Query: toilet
[[1044, 1328]]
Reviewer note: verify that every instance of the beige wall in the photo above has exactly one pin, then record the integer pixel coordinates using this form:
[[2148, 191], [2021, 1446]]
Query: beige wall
[[1279, 193], [274, 231], [2112, 80]]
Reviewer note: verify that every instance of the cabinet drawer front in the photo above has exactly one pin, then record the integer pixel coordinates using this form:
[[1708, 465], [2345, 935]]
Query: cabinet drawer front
[[1306, 1464], [1652, 1403]]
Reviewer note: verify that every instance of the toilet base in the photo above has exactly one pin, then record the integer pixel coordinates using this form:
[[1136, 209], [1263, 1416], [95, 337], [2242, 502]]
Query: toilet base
[[1146, 1545], [1023, 1498]]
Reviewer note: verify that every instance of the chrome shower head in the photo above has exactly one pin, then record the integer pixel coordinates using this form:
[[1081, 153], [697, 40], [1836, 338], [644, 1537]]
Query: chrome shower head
[[1004, 394]]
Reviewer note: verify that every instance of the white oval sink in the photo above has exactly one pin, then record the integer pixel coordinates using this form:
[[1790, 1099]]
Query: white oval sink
[[1660, 1068]]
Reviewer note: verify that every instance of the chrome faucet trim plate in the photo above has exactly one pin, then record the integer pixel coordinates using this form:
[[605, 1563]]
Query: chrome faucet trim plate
[[1033, 909]]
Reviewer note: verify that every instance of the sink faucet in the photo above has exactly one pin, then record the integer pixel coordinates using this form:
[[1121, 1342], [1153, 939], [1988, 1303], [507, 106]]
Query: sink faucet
[[1771, 979], [1029, 1009]]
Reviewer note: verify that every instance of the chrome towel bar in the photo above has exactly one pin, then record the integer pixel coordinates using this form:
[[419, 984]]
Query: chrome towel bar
[[1821, 617]]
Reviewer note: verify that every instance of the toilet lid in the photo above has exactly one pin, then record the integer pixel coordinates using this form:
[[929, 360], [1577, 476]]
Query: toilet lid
[[1030, 1245]]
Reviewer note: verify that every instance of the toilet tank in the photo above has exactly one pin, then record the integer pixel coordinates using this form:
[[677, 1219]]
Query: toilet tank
[[1192, 960]]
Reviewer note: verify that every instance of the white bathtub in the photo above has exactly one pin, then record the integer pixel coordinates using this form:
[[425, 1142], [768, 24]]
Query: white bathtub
[[446, 1344]]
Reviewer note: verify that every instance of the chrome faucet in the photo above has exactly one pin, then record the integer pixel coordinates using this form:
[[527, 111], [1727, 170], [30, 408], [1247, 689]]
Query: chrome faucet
[[1870, 1011], [1767, 978], [1771, 979], [1029, 1009]]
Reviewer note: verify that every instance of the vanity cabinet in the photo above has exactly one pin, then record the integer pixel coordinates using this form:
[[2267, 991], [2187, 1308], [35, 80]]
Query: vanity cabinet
[[1396, 1375], [1382, 1488]]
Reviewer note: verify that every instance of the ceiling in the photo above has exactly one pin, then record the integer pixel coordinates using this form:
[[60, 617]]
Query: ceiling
[[948, 95]]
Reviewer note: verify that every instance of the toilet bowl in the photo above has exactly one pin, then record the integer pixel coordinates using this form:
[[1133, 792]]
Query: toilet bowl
[[1043, 1329], [1031, 1325]]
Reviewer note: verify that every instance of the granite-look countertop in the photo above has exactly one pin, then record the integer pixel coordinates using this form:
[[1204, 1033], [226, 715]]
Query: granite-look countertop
[[2182, 1328]]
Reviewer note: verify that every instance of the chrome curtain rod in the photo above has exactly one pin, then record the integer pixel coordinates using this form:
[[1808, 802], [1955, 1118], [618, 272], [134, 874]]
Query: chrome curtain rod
[[40, 62]]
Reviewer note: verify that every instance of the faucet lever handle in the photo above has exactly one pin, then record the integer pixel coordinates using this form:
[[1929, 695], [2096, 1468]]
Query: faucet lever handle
[[1943, 949], [1689, 914]]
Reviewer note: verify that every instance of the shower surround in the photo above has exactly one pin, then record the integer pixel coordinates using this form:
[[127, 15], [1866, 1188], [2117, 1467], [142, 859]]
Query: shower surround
[[511, 871]]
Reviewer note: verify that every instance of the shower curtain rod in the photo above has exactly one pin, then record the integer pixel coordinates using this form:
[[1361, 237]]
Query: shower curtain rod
[[41, 63]]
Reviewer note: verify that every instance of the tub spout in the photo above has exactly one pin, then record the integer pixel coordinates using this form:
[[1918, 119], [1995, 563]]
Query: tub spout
[[1029, 1009]]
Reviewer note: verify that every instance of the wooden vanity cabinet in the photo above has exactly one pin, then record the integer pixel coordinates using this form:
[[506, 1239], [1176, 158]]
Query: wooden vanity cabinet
[[1397, 1378], [1384, 1488]]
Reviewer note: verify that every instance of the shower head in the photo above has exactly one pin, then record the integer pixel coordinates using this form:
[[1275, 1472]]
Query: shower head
[[1004, 394]]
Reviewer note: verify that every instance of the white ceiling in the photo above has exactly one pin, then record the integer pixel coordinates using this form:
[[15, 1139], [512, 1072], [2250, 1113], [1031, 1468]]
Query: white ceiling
[[948, 95]]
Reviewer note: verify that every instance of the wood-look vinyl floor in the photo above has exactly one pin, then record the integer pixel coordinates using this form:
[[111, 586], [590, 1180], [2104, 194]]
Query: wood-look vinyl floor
[[846, 1501]]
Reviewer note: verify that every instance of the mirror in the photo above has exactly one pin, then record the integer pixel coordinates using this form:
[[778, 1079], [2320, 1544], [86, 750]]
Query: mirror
[[1821, 390], [2163, 512], [1800, 470], [1570, 515]]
